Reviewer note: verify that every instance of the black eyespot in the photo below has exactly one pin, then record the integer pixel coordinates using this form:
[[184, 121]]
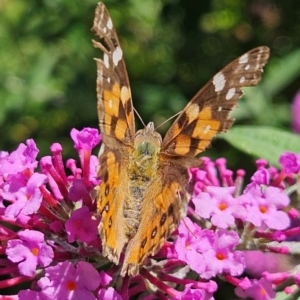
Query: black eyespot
[[163, 219], [154, 231], [128, 108], [105, 177], [106, 190], [106, 208], [144, 243], [183, 120], [171, 210]]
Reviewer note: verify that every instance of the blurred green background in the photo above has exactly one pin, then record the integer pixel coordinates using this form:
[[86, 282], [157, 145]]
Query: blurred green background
[[172, 47]]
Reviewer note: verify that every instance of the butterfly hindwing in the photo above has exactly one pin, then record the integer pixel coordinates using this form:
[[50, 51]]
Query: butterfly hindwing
[[109, 204], [207, 114], [162, 209]]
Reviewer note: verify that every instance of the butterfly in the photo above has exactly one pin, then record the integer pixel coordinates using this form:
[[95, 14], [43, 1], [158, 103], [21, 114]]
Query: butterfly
[[142, 196]]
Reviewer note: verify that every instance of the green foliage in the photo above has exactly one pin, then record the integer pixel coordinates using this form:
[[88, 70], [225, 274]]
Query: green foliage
[[263, 141], [171, 48]]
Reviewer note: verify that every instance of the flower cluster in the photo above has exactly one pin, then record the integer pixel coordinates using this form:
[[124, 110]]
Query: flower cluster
[[239, 236]]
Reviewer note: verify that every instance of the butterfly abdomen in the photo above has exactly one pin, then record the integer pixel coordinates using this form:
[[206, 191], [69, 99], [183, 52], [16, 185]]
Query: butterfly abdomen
[[132, 207]]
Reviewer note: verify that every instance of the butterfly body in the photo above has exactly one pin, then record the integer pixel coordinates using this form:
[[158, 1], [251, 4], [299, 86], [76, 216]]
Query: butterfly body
[[142, 169], [142, 196]]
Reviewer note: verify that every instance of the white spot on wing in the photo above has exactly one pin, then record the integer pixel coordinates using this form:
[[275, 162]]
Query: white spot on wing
[[219, 108], [242, 80], [230, 93], [192, 111], [247, 67], [207, 128], [106, 60], [108, 79], [117, 55], [258, 57], [110, 103], [100, 75], [244, 58], [109, 24], [219, 82]]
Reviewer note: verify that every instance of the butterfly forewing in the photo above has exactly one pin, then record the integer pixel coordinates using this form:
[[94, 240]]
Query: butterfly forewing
[[207, 114], [115, 109], [116, 122]]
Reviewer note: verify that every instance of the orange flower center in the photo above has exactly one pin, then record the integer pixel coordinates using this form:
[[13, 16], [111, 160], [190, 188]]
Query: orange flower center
[[35, 251], [262, 291], [27, 173], [71, 285], [220, 256], [187, 245], [263, 209], [222, 206]]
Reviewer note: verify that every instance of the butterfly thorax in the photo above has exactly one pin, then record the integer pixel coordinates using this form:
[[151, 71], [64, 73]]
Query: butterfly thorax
[[141, 171], [144, 158]]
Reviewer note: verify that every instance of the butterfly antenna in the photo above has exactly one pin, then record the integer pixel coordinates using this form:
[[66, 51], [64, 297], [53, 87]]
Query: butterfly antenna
[[164, 122], [139, 117], [188, 228]]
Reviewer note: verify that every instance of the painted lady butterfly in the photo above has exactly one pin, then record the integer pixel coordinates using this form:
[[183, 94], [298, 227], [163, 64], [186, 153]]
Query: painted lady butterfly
[[142, 195]]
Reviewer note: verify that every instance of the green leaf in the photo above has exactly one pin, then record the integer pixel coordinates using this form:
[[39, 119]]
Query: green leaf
[[281, 73], [283, 296], [263, 141]]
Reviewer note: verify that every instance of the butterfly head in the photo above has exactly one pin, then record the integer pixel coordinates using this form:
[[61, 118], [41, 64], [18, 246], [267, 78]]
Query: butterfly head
[[148, 140]]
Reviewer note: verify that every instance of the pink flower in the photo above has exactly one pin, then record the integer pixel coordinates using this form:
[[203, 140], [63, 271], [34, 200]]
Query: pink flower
[[263, 210], [290, 162], [64, 281], [27, 199], [219, 204], [260, 177], [222, 257], [81, 226], [30, 250], [85, 139], [190, 239], [109, 294], [21, 160], [192, 293], [105, 279], [29, 295], [255, 289], [62, 205], [272, 262], [78, 190]]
